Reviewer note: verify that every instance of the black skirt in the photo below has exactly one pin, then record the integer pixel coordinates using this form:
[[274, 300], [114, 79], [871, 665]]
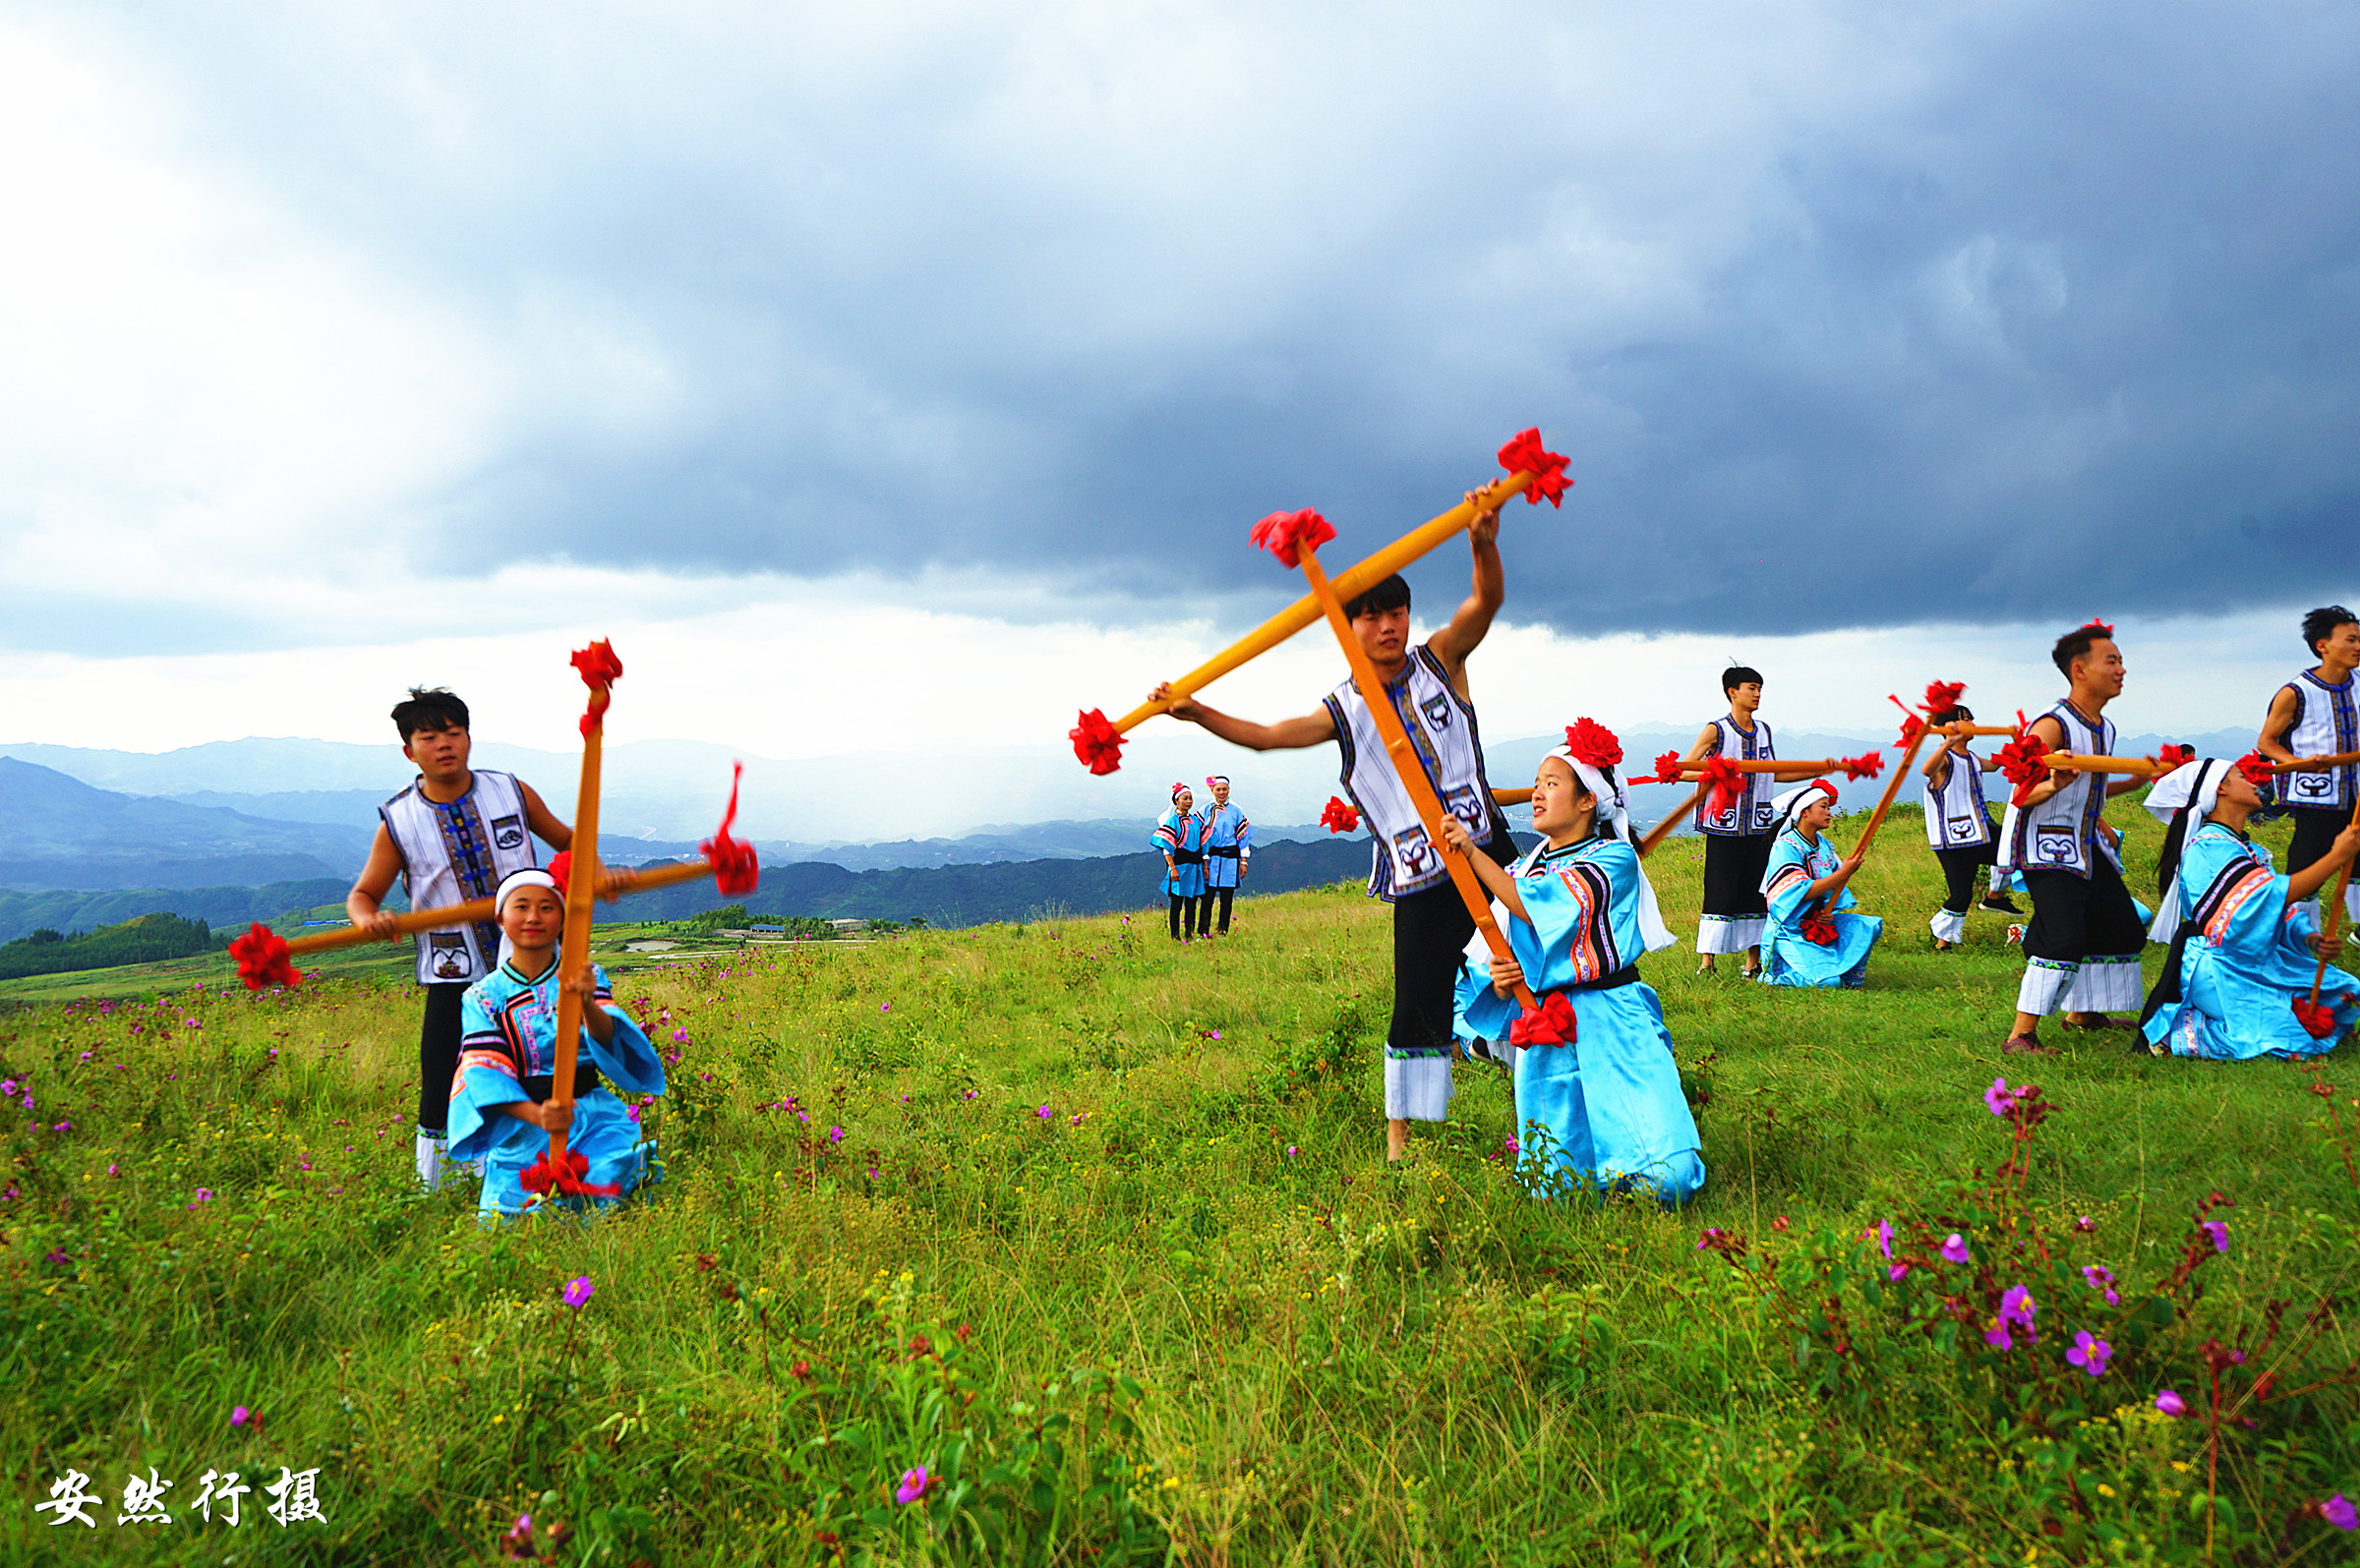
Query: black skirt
[[1733, 864]]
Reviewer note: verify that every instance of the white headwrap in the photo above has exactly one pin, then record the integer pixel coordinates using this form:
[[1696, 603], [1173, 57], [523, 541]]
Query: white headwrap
[[1789, 805], [528, 877], [2194, 785], [1613, 806]]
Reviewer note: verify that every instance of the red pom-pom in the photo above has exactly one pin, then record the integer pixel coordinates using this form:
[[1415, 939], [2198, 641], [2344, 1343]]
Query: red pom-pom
[[2020, 761], [263, 958], [1820, 929], [542, 1177], [1941, 696], [1286, 535], [1666, 769], [1912, 726], [1525, 454], [735, 871], [1725, 785], [2170, 756], [1096, 742], [598, 664], [2258, 769], [1867, 765], [2098, 625], [1552, 1025], [2318, 1018], [1339, 817], [1592, 742]]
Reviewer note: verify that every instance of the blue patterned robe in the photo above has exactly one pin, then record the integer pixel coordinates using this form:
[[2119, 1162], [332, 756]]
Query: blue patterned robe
[[1609, 1103], [2246, 962], [1226, 828], [509, 1052], [1178, 834], [1789, 957]]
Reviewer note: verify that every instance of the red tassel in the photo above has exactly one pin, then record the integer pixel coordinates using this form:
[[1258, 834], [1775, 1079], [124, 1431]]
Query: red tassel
[[1941, 696], [1285, 534], [598, 664], [2020, 760], [560, 870], [2170, 756], [1339, 817], [542, 1177], [1525, 454], [1593, 743], [1726, 784], [1820, 929], [263, 958], [1867, 765], [736, 870], [2318, 1018], [2098, 625], [1096, 742], [1552, 1025], [1666, 768]]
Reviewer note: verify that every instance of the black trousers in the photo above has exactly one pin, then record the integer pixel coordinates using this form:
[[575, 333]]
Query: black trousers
[[2075, 918], [1431, 930], [1189, 914], [1959, 872], [438, 1054], [2315, 834], [1225, 897]]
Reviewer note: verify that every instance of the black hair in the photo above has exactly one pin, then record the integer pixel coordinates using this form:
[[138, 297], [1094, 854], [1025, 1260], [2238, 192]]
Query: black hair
[[1392, 594], [2074, 644], [1954, 714], [2321, 624], [1736, 676], [429, 708]]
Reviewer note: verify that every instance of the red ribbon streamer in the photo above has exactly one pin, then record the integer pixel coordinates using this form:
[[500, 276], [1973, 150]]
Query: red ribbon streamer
[[736, 870]]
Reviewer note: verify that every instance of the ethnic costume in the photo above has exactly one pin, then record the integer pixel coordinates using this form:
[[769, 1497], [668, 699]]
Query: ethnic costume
[[2081, 945], [1228, 845], [1811, 941], [1608, 1105], [1181, 837], [2240, 957], [510, 1053], [453, 853], [2326, 723], [1958, 827], [1737, 845], [1431, 922]]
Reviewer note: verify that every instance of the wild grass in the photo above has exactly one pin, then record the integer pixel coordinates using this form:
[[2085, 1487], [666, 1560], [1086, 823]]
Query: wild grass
[[1108, 1245]]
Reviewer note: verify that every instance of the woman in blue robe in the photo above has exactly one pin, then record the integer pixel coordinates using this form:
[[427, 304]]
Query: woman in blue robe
[[1813, 938], [1580, 912], [2243, 946], [1180, 835], [501, 1111]]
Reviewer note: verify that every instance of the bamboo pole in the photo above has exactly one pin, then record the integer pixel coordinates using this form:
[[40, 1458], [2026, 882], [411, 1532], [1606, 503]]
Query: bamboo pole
[[1347, 584], [1690, 770], [2330, 915], [1404, 758], [2075, 762], [2339, 759], [1511, 797], [1963, 730], [611, 885], [581, 888], [1901, 770]]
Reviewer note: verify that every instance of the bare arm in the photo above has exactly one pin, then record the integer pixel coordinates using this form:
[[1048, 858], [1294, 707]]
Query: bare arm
[[1287, 734], [1493, 875], [547, 1115], [542, 821], [2128, 782], [2313, 877], [1485, 595], [2052, 735], [1708, 740], [370, 889], [1936, 768], [2271, 743]]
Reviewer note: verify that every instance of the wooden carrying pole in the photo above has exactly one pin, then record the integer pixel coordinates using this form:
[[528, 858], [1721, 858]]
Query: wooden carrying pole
[[1353, 580], [611, 885], [1876, 818], [2331, 913], [2341, 759], [1695, 769], [1414, 781], [1961, 732], [581, 890], [2075, 762]]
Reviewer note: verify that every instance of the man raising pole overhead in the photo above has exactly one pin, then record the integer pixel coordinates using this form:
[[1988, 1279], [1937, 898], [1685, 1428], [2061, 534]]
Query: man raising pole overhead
[[1427, 685]]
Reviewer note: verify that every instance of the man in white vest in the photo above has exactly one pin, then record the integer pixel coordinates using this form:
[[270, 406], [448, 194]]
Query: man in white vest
[[451, 837], [2312, 718], [2081, 946], [1427, 685]]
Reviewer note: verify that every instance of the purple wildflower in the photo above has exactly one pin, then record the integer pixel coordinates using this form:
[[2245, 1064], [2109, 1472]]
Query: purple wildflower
[[913, 1485], [2090, 1354], [2339, 1512], [239, 1415], [1290, 1151], [577, 1290], [2219, 1230], [884, 1006], [834, 1134], [1997, 1097], [1955, 1250], [1883, 1235], [1898, 1272], [1046, 1112], [680, 1036], [2085, 1225], [204, 1194], [2102, 1279], [2170, 1403]]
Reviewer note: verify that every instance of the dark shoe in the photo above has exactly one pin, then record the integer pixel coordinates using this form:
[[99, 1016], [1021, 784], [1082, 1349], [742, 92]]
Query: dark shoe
[[2025, 1045], [2102, 1020], [1998, 903], [1941, 945], [1754, 973]]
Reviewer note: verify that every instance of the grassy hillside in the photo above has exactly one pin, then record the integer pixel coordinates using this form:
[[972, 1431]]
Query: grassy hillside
[[1107, 1245]]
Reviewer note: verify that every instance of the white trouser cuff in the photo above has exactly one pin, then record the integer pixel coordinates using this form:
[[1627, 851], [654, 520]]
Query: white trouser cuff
[[2107, 984], [2045, 982], [1417, 1089], [1721, 933], [430, 1161], [1948, 927]]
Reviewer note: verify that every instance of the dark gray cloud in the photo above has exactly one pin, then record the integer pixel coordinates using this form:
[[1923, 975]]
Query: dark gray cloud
[[1844, 316]]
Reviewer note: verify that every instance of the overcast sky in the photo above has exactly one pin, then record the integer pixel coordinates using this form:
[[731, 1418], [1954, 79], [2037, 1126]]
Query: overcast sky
[[918, 369]]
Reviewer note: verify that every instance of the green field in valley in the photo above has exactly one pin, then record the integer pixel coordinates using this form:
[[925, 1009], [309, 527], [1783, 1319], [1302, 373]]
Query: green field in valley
[[1108, 1245]]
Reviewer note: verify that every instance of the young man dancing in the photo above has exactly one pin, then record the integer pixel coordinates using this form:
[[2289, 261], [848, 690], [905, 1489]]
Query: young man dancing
[[2081, 946], [451, 837], [1427, 685], [1737, 839], [2313, 716], [1228, 847]]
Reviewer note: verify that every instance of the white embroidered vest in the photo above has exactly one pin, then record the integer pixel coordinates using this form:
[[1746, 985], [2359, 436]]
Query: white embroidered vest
[[1955, 818], [1752, 812], [2061, 833], [1442, 730], [452, 854], [2324, 724]]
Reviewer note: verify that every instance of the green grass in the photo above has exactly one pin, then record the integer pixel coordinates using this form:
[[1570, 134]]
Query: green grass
[[1205, 1324]]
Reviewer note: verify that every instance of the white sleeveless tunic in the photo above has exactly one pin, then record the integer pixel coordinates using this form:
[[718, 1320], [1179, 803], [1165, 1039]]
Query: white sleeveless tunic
[[1752, 812], [1955, 817], [450, 854], [2061, 833], [1442, 730], [2326, 724]]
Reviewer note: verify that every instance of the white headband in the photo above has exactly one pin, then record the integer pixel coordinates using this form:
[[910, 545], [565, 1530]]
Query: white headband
[[1614, 804], [529, 877], [1789, 805], [2194, 785]]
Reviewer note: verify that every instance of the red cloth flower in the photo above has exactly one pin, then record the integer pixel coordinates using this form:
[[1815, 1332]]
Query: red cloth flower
[[1286, 534], [736, 870], [560, 871], [1725, 784], [1552, 1025], [2020, 761], [2258, 769], [598, 664], [1339, 817], [1096, 742], [1593, 743], [2318, 1018], [1525, 454], [2095, 624], [263, 958], [1820, 929], [2171, 756], [1910, 725], [1867, 765], [541, 1176], [1666, 769], [1941, 696]]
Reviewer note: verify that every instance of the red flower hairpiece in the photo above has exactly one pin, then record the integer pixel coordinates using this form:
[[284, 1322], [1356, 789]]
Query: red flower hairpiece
[[2095, 624], [1339, 817], [1286, 534], [1098, 745], [1593, 743], [1552, 1025], [1525, 454], [736, 870], [1867, 765], [263, 958], [2258, 769]]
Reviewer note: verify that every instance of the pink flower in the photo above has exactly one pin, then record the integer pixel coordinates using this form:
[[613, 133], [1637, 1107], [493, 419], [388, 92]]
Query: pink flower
[[834, 1134], [2339, 1511], [913, 1485], [1955, 1250], [2219, 1230], [1898, 1272], [204, 1194], [2085, 1225], [2102, 1279], [2170, 1403], [1290, 1151], [577, 1290], [885, 1007], [2090, 1354], [1882, 1236], [239, 1415], [1046, 1112]]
